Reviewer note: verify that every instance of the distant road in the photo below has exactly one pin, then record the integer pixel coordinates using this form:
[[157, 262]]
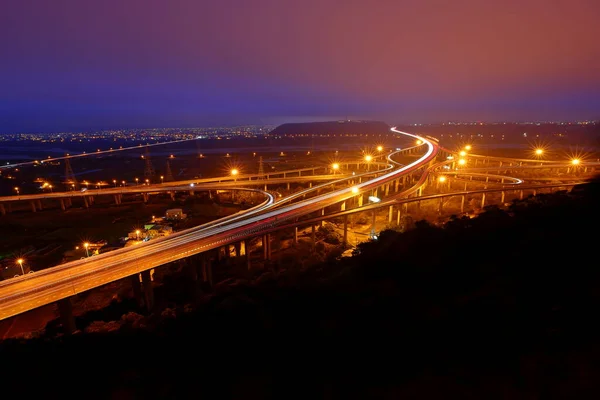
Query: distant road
[[95, 153]]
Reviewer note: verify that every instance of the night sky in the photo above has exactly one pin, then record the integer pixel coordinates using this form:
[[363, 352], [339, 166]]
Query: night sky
[[86, 65]]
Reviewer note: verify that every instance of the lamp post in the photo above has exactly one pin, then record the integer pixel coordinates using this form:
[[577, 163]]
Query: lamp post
[[17, 190], [368, 159], [335, 167], [137, 181], [86, 245], [234, 173], [115, 182], [162, 179], [137, 234], [20, 262]]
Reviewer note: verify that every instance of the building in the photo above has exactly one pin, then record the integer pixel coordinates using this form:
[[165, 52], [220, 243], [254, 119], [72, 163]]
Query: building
[[153, 231], [175, 213]]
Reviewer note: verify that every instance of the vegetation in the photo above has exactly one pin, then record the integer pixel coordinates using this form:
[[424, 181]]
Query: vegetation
[[498, 306]]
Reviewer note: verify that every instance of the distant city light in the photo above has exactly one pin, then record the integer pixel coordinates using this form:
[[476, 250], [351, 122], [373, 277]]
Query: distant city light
[[539, 152]]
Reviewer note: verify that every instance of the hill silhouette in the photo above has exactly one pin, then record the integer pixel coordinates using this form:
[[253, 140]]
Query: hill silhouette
[[498, 306], [345, 127]]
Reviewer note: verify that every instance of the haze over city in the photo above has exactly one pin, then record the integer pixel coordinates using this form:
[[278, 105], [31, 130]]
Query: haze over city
[[88, 65]]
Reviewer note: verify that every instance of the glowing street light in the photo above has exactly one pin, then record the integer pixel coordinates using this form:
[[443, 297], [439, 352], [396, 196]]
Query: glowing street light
[[575, 161], [162, 179], [462, 153], [468, 147], [335, 167], [20, 262], [50, 187], [86, 245], [368, 159], [137, 181], [17, 189], [355, 190], [379, 148], [137, 234], [419, 142], [234, 172], [442, 179], [147, 182], [462, 161], [115, 182]]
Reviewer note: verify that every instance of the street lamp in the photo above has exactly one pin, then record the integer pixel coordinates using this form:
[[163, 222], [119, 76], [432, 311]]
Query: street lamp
[[162, 179], [147, 182], [575, 161], [462, 161], [355, 190], [17, 190], [20, 262], [234, 172], [442, 179], [462, 153], [86, 245], [368, 159], [468, 147], [335, 167], [137, 234], [379, 148], [50, 187], [115, 182], [419, 142], [137, 181]]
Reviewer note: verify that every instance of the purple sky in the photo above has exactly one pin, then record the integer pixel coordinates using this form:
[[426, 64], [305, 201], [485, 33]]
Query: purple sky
[[95, 64]]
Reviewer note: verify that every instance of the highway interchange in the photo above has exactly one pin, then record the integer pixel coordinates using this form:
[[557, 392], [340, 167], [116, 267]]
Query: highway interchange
[[30, 291]]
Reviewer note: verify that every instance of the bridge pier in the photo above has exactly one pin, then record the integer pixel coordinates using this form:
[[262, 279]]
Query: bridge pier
[[521, 194], [390, 212], [288, 186], [65, 310], [396, 184], [387, 189], [86, 202], [313, 235], [295, 235], [136, 285], [322, 223], [343, 206], [399, 215], [146, 197], [441, 207], [462, 203], [502, 198], [345, 242], [148, 290], [266, 240], [62, 205], [32, 206], [2, 209], [483, 200]]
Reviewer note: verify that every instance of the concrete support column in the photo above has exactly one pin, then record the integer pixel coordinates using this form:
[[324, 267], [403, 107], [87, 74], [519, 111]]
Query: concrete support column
[[32, 206], [462, 203], [136, 286], [296, 235], [3, 210], [502, 198], [310, 184], [148, 290], [390, 212], [345, 242], [146, 197], [387, 189], [534, 192], [521, 195], [86, 202], [343, 206], [483, 200], [69, 203], [313, 235], [62, 205], [322, 214], [399, 215], [288, 186], [360, 200], [441, 208], [39, 204], [396, 185], [65, 309]]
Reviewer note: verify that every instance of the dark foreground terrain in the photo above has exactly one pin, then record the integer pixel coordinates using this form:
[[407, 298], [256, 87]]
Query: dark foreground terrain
[[499, 306]]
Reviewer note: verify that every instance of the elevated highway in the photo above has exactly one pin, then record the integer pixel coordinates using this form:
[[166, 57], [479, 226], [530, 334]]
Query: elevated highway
[[30, 291]]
